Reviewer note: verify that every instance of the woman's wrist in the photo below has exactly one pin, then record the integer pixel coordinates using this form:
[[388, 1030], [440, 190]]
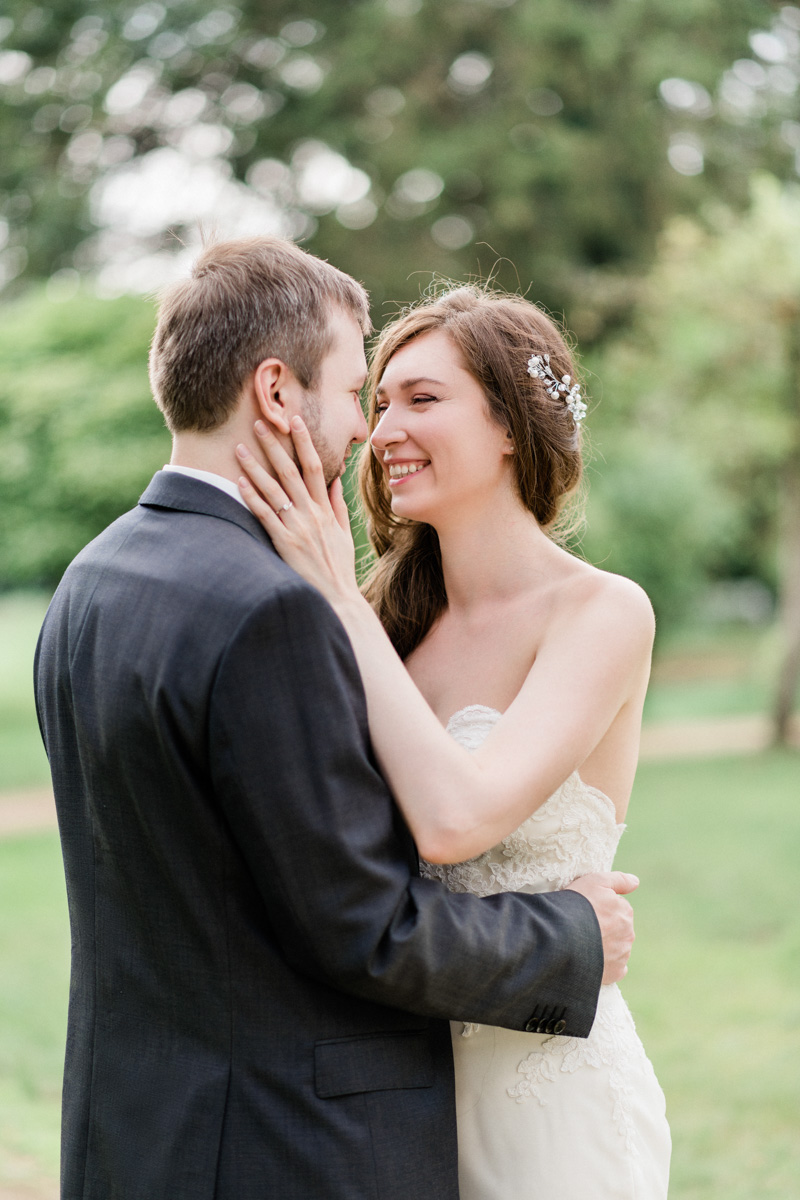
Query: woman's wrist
[[349, 605]]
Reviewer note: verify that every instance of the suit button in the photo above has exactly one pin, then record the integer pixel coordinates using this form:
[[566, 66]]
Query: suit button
[[559, 1027], [542, 1026], [532, 1023]]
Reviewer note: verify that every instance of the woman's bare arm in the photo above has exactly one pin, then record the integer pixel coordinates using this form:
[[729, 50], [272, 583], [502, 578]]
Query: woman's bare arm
[[458, 804]]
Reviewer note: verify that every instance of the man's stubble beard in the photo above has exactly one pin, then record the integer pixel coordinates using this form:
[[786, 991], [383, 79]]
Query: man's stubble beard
[[311, 414]]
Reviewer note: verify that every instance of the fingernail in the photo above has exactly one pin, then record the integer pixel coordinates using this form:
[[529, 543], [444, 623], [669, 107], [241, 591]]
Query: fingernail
[[242, 451], [260, 428], [297, 423], [244, 483]]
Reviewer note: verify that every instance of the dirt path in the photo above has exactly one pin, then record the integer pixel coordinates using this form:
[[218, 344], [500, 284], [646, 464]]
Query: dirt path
[[20, 1179], [26, 812], [33, 809], [709, 738], [42, 1190]]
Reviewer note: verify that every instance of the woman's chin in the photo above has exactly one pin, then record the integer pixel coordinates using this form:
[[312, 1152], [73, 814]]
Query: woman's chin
[[404, 506], [423, 514]]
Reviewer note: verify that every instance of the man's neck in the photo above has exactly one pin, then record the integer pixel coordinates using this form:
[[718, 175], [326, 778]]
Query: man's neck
[[204, 452], [215, 452]]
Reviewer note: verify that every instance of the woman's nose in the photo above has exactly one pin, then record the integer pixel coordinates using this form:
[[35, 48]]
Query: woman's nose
[[386, 432]]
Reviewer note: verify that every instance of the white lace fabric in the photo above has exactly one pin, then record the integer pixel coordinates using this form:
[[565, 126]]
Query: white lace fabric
[[597, 1097], [573, 833]]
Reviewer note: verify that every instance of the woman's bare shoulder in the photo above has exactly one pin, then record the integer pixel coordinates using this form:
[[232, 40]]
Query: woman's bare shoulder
[[614, 600]]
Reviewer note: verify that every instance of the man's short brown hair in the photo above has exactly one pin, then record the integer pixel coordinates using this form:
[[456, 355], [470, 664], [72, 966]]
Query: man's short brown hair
[[245, 301]]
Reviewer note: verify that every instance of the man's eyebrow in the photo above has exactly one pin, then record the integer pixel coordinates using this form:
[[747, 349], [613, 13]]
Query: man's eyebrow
[[410, 383]]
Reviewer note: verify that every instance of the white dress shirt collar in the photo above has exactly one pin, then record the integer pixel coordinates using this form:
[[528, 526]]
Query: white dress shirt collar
[[217, 481]]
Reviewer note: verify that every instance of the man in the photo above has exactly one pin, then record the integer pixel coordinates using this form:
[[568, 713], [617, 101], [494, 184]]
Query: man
[[260, 979]]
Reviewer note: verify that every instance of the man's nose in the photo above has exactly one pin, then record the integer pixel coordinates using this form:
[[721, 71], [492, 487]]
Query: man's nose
[[361, 427]]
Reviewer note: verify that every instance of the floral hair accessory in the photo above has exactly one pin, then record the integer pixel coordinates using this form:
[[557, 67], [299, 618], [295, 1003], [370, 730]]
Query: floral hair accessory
[[539, 367]]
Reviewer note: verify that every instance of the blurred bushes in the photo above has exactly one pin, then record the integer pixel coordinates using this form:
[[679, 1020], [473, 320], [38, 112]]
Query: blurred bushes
[[698, 432], [655, 515], [80, 435]]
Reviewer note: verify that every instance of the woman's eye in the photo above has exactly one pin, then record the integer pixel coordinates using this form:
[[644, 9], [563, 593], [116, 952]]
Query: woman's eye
[[422, 399]]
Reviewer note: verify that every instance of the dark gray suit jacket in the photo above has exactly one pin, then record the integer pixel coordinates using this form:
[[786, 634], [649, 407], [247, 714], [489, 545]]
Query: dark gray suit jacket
[[260, 979]]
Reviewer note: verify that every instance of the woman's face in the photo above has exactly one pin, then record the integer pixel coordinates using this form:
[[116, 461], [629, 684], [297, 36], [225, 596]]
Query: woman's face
[[441, 452]]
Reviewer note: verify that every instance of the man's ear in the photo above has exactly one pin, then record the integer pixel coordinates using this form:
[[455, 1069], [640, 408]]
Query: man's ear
[[273, 386]]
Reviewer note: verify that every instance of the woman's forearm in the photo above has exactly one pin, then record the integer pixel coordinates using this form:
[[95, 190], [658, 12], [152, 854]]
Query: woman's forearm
[[452, 803]]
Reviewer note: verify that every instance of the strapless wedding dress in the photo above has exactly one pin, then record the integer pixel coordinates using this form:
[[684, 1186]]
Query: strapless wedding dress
[[553, 1118]]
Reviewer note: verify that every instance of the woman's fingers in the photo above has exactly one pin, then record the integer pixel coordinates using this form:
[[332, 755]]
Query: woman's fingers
[[315, 541], [281, 462], [339, 505], [309, 460], [261, 480], [259, 507], [262, 493]]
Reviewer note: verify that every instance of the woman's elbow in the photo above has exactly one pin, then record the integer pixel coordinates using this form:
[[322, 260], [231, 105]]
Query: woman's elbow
[[445, 844], [453, 830], [434, 850]]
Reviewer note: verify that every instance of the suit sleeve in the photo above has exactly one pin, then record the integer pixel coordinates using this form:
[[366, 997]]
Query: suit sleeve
[[328, 851]]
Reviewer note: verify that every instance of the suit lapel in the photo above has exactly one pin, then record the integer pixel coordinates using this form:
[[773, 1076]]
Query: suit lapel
[[170, 489]]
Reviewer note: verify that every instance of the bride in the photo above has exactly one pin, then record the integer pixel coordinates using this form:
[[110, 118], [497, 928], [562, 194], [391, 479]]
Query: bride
[[505, 680]]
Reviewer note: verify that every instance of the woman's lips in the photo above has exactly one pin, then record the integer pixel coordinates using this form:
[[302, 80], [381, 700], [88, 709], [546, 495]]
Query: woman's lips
[[403, 471]]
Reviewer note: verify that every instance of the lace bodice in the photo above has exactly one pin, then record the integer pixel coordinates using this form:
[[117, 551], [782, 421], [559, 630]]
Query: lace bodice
[[571, 834]]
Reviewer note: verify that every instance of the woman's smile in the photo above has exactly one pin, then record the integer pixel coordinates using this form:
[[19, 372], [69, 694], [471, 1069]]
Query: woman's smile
[[399, 472]]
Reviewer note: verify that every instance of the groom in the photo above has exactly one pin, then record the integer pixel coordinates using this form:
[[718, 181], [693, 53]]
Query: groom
[[260, 979]]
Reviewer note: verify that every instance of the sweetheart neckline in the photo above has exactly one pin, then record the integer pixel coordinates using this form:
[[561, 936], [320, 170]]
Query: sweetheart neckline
[[495, 712]]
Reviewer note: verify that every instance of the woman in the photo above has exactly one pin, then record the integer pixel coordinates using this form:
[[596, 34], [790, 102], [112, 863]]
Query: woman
[[503, 644]]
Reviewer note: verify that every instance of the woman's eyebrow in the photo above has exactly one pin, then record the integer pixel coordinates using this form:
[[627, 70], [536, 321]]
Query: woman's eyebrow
[[409, 383]]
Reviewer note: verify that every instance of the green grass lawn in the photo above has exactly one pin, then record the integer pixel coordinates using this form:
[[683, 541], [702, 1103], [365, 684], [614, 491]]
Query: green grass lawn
[[715, 977], [34, 964], [714, 981]]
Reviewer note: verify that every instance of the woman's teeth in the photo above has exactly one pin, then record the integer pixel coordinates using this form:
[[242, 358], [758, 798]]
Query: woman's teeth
[[400, 469]]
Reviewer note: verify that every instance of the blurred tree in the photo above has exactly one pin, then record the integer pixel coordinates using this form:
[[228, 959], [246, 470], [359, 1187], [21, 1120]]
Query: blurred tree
[[392, 135], [709, 375]]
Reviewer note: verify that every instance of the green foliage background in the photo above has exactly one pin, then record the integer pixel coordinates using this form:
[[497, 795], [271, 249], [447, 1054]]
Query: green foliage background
[[79, 433], [555, 160]]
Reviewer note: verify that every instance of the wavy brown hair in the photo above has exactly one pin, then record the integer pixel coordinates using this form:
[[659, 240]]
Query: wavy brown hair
[[496, 334]]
